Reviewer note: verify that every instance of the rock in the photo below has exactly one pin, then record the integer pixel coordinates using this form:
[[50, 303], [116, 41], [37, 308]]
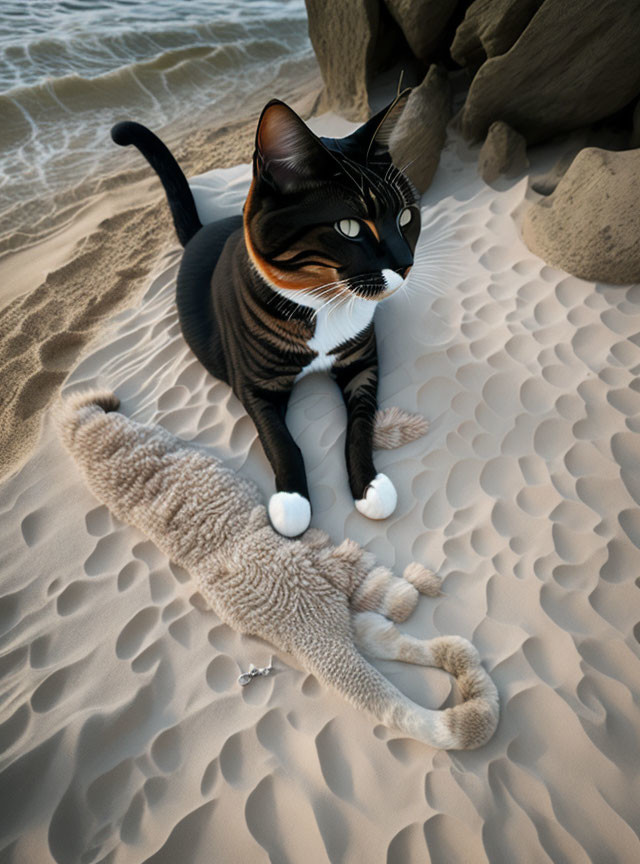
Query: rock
[[567, 69], [420, 133], [591, 224], [604, 138], [503, 152], [489, 28], [344, 38], [422, 22], [545, 184], [635, 135]]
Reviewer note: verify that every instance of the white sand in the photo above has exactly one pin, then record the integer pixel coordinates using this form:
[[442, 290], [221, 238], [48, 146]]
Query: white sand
[[126, 737]]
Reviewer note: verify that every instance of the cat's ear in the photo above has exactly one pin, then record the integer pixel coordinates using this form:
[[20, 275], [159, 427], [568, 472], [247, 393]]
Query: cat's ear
[[288, 154], [388, 122], [373, 138]]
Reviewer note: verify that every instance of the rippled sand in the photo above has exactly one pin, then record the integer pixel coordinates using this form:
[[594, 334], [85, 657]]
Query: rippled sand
[[125, 735]]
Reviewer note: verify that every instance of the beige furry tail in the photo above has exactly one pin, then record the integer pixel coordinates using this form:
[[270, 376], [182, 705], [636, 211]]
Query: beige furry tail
[[425, 581], [462, 727], [105, 399], [394, 427], [74, 410]]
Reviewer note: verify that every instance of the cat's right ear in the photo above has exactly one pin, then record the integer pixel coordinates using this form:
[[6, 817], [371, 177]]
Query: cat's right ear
[[288, 155]]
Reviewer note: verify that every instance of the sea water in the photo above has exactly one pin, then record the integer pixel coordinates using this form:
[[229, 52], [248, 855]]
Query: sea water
[[70, 69]]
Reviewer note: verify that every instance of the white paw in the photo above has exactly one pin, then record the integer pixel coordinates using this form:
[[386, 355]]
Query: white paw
[[290, 513], [380, 498]]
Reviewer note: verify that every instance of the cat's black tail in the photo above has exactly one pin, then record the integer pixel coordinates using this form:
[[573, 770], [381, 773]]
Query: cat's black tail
[[157, 154]]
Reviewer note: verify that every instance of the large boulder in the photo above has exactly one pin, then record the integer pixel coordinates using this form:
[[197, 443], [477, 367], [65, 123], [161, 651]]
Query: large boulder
[[591, 224], [503, 152], [635, 134], [420, 133], [344, 36], [421, 21], [573, 64], [489, 28]]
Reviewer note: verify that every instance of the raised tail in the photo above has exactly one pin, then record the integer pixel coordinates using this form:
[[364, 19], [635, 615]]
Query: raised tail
[[157, 154]]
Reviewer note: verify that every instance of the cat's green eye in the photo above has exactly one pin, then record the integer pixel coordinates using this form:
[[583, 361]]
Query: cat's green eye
[[349, 227], [405, 217]]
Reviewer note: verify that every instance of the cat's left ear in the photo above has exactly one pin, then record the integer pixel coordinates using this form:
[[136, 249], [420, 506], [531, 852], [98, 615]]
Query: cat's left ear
[[288, 154], [373, 138]]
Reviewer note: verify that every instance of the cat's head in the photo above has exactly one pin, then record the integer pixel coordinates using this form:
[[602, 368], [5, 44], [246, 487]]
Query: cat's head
[[327, 217]]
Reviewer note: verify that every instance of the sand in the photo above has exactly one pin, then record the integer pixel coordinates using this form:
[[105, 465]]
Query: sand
[[126, 737], [66, 269]]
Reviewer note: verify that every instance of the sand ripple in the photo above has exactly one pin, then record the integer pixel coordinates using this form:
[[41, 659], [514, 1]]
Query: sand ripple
[[124, 734]]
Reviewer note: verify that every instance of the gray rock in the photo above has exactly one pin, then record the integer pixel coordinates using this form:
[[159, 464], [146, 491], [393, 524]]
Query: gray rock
[[503, 152], [591, 224], [569, 67], [420, 133], [344, 38], [489, 28], [421, 21]]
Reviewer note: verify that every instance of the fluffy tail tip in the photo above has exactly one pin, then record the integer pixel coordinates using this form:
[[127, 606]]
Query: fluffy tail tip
[[69, 407], [105, 399], [424, 580], [394, 427]]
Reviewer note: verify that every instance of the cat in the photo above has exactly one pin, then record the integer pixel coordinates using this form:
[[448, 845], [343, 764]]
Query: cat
[[328, 230], [319, 602]]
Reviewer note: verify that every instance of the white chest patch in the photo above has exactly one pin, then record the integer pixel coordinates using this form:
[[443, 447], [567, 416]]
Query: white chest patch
[[335, 325], [338, 322]]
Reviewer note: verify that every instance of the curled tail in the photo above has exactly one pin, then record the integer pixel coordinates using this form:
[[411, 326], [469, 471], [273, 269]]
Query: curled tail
[[157, 154], [463, 727]]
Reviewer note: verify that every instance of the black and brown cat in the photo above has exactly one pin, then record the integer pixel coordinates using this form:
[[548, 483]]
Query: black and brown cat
[[289, 287]]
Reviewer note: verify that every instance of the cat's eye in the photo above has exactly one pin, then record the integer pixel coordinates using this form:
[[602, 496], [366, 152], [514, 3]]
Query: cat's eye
[[405, 217], [349, 227]]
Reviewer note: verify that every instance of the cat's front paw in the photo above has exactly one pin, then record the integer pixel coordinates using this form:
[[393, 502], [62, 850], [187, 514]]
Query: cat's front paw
[[290, 513], [380, 498]]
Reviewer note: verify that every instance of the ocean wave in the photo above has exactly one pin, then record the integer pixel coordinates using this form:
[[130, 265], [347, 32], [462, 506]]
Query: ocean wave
[[160, 83], [55, 128], [90, 55]]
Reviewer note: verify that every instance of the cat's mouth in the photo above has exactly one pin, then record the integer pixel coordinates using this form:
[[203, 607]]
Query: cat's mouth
[[386, 283]]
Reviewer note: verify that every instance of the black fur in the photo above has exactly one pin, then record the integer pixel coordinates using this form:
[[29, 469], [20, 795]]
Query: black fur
[[157, 154], [234, 317]]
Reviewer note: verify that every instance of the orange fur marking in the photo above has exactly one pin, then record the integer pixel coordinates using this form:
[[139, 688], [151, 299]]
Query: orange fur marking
[[373, 228], [316, 277]]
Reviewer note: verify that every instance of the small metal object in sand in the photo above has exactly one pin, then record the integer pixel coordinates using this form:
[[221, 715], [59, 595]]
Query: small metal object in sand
[[247, 677]]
